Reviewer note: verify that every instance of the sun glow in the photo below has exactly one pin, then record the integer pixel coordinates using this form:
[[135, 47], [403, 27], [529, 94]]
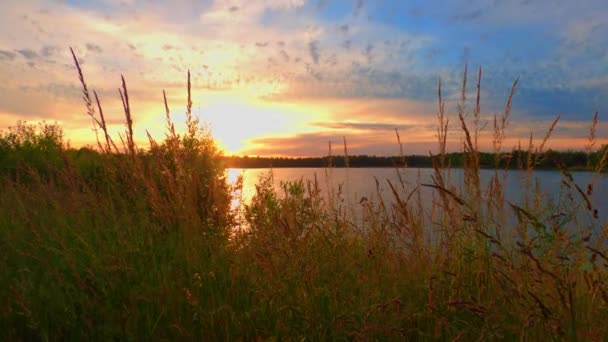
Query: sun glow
[[235, 120]]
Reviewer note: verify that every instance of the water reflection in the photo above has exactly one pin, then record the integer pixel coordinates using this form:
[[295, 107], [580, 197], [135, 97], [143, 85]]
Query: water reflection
[[369, 183]]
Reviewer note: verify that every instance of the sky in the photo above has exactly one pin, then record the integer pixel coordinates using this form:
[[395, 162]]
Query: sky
[[285, 77]]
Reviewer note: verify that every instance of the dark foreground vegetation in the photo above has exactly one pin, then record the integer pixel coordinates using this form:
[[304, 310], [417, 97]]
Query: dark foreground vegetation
[[127, 245]]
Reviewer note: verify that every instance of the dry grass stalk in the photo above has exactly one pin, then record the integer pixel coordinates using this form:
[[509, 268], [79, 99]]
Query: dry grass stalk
[[109, 142], [496, 203], [477, 112], [601, 165], [172, 140], [548, 135], [329, 175], [87, 99], [347, 165], [530, 154], [471, 158], [346, 161], [401, 155], [170, 125], [442, 129], [151, 140], [458, 200], [500, 127], [509, 105], [124, 96], [603, 154], [329, 155], [191, 122], [439, 163], [592, 139], [496, 188], [463, 93], [402, 160]]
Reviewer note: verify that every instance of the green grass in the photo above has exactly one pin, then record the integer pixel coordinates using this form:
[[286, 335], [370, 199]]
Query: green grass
[[131, 245]]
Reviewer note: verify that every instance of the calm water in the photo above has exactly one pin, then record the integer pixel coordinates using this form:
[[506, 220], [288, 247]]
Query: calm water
[[357, 183]]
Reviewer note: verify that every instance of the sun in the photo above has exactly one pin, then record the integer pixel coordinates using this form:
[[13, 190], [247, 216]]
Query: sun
[[235, 119]]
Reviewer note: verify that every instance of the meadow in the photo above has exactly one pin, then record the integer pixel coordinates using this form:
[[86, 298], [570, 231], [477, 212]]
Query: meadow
[[130, 243]]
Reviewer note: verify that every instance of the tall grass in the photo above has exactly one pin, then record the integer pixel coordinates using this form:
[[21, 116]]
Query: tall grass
[[131, 244]]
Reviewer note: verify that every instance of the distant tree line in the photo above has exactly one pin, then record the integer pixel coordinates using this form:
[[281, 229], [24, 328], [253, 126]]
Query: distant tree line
[[550, 159]]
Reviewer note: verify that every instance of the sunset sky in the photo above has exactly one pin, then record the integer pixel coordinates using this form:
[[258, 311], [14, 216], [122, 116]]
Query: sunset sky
[[284, 77]]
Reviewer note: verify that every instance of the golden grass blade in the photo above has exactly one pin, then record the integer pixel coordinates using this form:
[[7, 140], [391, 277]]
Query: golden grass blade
[[109, 141], [346, 161], [87, 99], [442, 129], [477, 108], [592, 133], [548, 134], [124, 96]]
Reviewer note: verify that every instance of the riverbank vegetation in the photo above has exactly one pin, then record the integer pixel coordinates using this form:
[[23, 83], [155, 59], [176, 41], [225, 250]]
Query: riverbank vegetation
[[133, 245]]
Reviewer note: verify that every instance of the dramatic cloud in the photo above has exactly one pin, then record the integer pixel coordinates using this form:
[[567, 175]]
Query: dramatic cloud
[[292, 74]]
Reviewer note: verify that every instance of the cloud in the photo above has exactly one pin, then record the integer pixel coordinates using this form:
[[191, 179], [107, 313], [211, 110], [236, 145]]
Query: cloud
[[56, 90], [49, 51], [305, 144], [39, 105], [316, 144], [469, 16], [28, 53], [358, 7], [363, 125], [7, 55], [284, 55], [313, 49], [572, 104], [94, 48], [367, 52]]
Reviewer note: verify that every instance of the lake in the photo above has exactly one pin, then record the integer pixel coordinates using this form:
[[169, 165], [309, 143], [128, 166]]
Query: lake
[[360, 183]]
